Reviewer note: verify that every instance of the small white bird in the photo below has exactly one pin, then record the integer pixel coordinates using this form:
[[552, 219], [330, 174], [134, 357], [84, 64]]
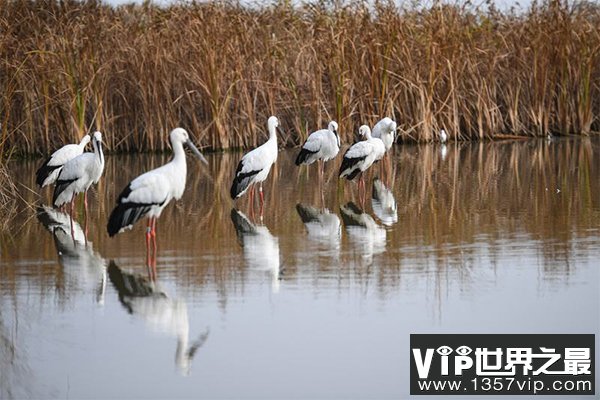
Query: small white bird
[[443, 136], [77, 175], [148, 194], [255, 166], [48, 172], [386, 131], [321, 146]]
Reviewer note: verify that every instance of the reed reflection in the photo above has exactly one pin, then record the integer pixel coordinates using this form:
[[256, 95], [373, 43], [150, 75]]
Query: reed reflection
[[260, 247], [75, 254], [143, 297], [366, 236]]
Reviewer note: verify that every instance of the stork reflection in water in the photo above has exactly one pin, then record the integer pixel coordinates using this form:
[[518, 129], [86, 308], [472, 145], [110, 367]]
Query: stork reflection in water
[[384, 203], [142, 297], [323, 226], [366, 235], [261, 248], [82, 266]]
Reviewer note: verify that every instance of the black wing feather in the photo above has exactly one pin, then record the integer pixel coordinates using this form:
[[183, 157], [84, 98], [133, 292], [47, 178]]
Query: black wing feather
[[61, 186], [350, 163], [44, 171], [241, 180], [126, 214], [304, 155]]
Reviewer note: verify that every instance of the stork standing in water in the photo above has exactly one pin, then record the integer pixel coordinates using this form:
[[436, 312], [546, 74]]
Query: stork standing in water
[[386, 131], [148, 194], [360, 156], [77, 175], [48, 172], [321, 146], [255, 166]]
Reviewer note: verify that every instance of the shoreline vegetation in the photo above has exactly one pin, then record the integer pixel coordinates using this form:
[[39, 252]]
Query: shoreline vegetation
[[220, 69]]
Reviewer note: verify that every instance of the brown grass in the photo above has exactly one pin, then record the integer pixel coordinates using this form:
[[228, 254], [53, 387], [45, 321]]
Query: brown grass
[[220, 69]]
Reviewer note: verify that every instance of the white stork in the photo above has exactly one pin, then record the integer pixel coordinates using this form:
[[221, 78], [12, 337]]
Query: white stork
[[77, 175], [48, 172], [361, 155], [321, 146], [255, 166], [386, 131], [148, 194]]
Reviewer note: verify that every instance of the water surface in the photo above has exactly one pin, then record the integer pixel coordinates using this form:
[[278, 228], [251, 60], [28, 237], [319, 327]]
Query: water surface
[[316, 300]]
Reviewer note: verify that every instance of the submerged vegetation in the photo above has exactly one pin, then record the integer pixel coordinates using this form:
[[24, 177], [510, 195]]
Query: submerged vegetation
[[220, 69]]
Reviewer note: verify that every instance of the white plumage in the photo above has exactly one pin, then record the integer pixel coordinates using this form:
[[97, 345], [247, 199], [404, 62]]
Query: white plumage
[[148, 194], [386, 131], [48, 172], [255, 166], [443, 136], [79, 173], [361, 155], [323, 145]]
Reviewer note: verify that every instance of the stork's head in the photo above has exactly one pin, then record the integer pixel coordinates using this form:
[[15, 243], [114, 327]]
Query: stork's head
[[97, 136], [333, 127], [273, 122], [180, 135], [85, 140], [365, 131], [390, 125]]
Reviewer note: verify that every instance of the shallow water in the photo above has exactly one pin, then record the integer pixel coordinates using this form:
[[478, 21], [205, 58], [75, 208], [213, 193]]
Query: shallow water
[[484, 238]]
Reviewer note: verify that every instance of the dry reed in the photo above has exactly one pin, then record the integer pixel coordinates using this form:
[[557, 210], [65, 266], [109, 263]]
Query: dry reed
[[219, 69]]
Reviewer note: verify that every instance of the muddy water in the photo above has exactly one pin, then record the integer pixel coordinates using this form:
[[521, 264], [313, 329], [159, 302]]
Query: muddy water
[[318, 298]]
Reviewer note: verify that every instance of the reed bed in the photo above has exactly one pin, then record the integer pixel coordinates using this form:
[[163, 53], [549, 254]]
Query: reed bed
[[219, 69]]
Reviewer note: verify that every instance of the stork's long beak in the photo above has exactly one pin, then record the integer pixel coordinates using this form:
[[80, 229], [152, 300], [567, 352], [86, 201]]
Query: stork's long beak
[[196, 151]]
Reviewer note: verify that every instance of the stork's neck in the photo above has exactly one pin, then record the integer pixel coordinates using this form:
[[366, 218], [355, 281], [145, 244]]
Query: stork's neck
[[178, 152], [98, 151], [272, 133], [368, 135]]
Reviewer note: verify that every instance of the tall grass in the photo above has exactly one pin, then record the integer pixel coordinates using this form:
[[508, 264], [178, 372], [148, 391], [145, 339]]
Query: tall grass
[[219, 69]]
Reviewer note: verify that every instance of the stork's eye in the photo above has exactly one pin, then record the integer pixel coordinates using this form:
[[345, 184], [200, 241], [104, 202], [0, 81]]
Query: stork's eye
[[444, 350], [464, 350]]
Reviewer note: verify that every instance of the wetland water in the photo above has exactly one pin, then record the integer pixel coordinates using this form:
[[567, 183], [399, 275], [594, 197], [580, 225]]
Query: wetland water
[[486, 238]]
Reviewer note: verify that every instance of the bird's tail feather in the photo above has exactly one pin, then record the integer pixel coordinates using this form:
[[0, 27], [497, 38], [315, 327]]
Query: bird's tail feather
[[61, 186], [304, 157], [125, 215], [44, 172]]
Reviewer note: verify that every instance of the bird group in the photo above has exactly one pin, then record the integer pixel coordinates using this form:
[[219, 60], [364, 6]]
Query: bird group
[[73, 171]]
